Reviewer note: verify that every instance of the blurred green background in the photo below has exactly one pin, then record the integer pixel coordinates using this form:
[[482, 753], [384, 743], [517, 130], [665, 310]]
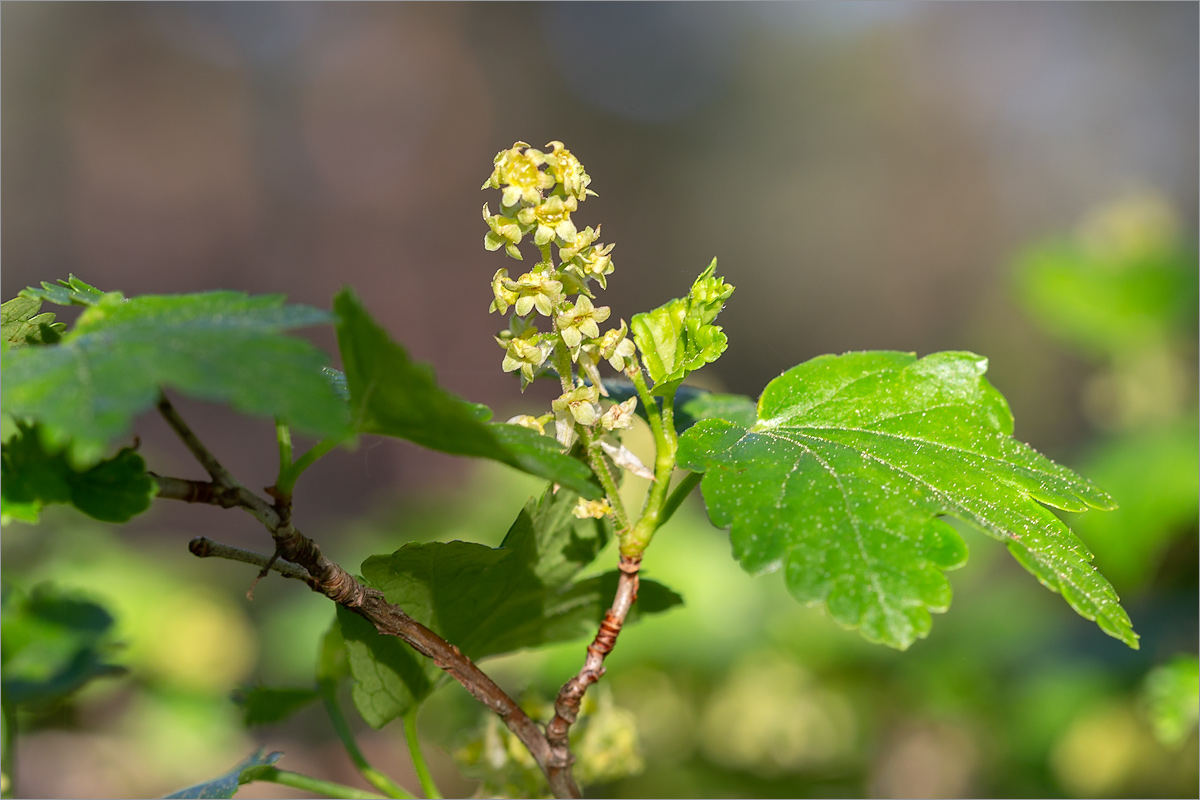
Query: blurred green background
[[1014, 179]]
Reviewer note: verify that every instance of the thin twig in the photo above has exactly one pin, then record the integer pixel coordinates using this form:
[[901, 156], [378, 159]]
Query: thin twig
[[239, 496], [219, 474], [203, 547], [570, 697]]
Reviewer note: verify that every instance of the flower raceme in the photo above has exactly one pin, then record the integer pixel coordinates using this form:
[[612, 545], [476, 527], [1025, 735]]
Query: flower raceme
[[540, 190]]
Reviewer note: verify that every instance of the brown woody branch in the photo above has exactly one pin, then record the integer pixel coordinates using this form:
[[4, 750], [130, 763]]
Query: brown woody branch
[[570, 697], [326, 577]]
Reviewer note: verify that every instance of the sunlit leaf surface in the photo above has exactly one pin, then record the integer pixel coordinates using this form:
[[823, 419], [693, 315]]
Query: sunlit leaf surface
[[852, 460]]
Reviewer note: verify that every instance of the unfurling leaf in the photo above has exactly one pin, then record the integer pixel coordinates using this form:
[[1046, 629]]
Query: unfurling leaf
[[679, 338], [852, 461]]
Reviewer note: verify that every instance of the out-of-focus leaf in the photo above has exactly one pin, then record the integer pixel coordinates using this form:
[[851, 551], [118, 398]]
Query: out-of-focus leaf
[[1110, 297], [52, 644], [332, 665], [226, 786], [262, 705], [484, 600], [216, 346], [853, 459], [1172, 693], [337, 379], [678, 338], [114, 490], [1153, 474], [21, 324], [392, 395]]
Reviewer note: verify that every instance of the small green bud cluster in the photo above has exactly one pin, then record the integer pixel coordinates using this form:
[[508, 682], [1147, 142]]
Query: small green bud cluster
[[539, 192]]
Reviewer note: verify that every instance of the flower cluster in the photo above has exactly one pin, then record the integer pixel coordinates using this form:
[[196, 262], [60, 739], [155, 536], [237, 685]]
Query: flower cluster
[[540, 190]]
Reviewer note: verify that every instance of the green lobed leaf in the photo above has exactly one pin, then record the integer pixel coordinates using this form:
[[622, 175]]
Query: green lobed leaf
[[263, 705], [392, 395], [226, 786], [852, 460], [114, 490], [1172, 695], [216, 346], [484, 600], [52, 643], [679, 338], [21, 324]]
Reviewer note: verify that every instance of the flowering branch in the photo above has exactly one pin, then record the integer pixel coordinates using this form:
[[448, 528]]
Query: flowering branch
[[328, 578]]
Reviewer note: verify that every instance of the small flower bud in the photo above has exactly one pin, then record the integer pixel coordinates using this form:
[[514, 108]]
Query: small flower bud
[[593, 509], [527, 421], [567, 171], [619, 416]]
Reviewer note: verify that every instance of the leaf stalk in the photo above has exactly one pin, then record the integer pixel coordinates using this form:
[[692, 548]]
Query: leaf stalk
[[419, 764]]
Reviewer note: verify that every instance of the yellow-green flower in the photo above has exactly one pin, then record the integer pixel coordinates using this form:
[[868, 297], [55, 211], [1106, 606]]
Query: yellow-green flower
[[518, 172], [618, 348], [593, 509], [536, 290], [588, 261], [567, 171], [580, 320], [505, 232], [578, 405], [619, 416], [525, 353], [504, 297], [552, 218]]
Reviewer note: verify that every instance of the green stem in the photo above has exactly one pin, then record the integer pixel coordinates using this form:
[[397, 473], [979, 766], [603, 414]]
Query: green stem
[[283, 434], [666, 443], [647, 401], [596, 462], [8, 761], [682, 490], [315, 785], [374, 777], [288, 477], [414, 747], [562, 363]]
